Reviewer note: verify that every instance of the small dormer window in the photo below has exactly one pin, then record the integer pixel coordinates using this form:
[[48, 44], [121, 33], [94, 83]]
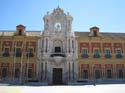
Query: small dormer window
[[95, 33], [20, 32]]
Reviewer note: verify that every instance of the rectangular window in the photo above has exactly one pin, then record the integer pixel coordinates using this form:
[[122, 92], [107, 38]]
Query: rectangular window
[[20, 32], [118, 53], [96, 53], [85, 53], [6, 52], [97, 74], [29, 73], [95, 33], [30, 52], [107, 53], [109, 74], [85, 74], [120, 73], [17, 73], [4, 73], [57, 49], [17, 52]]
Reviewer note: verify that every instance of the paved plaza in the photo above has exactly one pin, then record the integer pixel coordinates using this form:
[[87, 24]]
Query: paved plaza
[[111, 88]]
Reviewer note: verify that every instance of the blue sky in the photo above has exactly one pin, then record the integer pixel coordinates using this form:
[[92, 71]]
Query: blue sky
[[108, 15]]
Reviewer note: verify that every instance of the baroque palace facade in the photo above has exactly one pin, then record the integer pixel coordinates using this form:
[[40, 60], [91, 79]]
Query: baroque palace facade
[[57, 55]]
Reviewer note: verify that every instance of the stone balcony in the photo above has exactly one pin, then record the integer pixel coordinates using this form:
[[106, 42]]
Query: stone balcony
[[57, 58], [58, 55]]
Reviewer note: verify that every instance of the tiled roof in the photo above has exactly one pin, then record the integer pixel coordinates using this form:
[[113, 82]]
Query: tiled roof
[[82, 34], [113, 35], [79, 34], [28, 33], [33, 33], [103, 34], [8, 33]]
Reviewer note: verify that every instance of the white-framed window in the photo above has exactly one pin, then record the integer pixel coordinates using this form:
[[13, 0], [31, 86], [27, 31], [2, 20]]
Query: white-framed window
[[6, 52], [109, 73], [85, 53], [96, 53], [17, 52], [107, 53], [118, 53], [30, 52], [85, 74]]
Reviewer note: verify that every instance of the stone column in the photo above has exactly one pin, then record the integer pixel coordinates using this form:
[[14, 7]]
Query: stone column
[[69, 50], [113, 51], [76, 49], [69, 71], [90, 50], [43, 77], [44, 47], [47, 44], [102, 53], [70, 45], [114, 71], [46, 72]]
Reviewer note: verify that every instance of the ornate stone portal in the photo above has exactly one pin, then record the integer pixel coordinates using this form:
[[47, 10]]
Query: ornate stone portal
[[57, 49]]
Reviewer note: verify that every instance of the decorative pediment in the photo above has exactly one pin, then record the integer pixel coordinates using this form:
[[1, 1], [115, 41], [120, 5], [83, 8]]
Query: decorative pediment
[[58, 11]]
